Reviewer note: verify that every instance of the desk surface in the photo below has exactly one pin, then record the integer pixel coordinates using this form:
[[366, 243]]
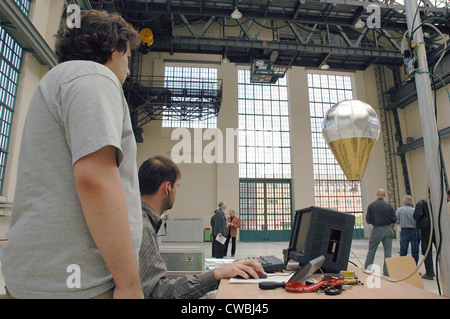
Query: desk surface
[[386, 290]]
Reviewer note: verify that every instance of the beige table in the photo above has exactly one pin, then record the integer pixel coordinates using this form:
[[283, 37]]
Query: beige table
[[386, 290]]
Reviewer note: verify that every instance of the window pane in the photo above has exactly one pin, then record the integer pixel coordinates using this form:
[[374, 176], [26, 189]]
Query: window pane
[[332, 189], [265, 119], [193, 84]]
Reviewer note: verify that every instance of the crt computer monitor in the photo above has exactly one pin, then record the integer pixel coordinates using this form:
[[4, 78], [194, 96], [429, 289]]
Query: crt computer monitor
[[321, 231]]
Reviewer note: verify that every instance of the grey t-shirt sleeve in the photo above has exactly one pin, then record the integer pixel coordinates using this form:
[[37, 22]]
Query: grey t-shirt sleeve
[[92, 111]]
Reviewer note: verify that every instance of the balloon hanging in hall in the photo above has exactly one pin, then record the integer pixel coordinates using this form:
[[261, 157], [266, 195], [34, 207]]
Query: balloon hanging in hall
[[350, 129]]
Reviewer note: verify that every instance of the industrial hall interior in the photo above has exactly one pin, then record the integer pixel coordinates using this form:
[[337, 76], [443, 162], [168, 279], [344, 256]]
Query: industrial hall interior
[[268, 108]]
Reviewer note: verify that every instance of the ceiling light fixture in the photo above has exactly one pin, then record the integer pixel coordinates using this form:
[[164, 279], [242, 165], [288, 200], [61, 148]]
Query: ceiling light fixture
[[325, 66], [225, 60], [236, 14], [359, 24]]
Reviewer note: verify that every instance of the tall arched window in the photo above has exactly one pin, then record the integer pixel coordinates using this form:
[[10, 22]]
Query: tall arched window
[[265, 190], [331, 187]]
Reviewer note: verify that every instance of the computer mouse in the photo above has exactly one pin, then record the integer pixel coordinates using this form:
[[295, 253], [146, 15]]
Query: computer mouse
[[261, 275]]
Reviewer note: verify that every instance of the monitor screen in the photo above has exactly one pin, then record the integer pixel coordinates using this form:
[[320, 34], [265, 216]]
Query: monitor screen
[[304, 221]]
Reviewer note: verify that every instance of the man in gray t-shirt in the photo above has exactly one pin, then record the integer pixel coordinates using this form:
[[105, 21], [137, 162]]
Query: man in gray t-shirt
[[76, 225]]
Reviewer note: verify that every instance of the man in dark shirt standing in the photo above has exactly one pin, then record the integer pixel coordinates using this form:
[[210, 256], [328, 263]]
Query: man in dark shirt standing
[[423, 222], [219, 228], [381, 215]]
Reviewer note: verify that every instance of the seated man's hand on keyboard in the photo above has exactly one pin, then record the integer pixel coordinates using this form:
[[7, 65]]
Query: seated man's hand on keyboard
[[244, 268]]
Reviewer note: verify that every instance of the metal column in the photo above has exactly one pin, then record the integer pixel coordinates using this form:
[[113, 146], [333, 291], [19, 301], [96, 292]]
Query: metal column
[[431, 145], [388, 139]]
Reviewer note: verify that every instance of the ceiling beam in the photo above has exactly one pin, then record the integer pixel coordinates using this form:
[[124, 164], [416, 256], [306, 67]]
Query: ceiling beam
[[251, 14], [409, 146], [283, 46], [339, 12]]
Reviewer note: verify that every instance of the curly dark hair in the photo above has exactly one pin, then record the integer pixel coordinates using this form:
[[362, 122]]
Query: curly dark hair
[[99, 35]]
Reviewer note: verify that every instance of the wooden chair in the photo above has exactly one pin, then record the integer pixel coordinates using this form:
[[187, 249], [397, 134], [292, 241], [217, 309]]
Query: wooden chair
[[400, 267]]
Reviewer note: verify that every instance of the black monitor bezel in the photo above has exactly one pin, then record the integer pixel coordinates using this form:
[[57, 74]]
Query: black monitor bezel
[[296, 227], [291, 252]]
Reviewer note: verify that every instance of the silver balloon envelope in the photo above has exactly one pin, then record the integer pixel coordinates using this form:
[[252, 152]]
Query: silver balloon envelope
[[350, 129]]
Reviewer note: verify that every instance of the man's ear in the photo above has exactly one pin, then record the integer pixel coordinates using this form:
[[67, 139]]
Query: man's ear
[[165, 188], [112, 57], [114, 54]]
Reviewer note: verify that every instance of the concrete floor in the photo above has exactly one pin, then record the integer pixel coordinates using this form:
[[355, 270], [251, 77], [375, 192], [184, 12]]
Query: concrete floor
[[246, 249]]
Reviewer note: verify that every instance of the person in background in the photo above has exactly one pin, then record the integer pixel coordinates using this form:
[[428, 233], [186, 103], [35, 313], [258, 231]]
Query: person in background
[[232, 226], [159, 180], [423, 223], [381, 215], [218, 230], [408, 232]]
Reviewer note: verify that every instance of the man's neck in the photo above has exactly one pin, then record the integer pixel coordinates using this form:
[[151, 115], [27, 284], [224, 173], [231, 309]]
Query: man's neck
[[153, 202]]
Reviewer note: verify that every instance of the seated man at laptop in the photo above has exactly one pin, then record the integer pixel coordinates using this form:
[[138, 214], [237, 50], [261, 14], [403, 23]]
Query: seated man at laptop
[[159, 179]]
